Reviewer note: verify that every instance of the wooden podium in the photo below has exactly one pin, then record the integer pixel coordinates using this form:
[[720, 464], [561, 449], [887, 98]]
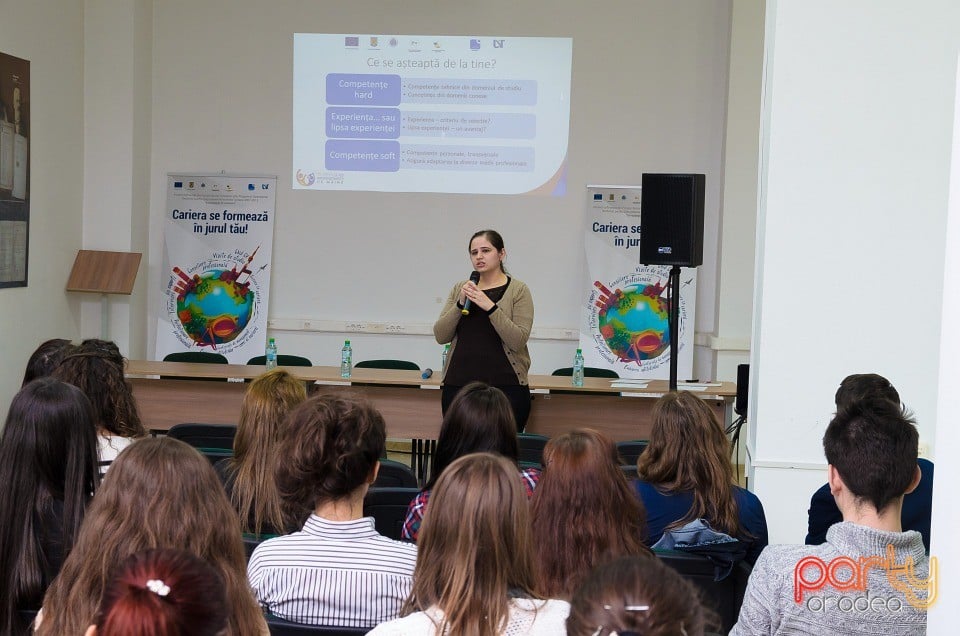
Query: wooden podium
[[104, 273]]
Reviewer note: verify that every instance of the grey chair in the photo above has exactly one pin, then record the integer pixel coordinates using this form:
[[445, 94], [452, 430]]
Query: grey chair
[[630, 451], [388, 507], [724, 597]]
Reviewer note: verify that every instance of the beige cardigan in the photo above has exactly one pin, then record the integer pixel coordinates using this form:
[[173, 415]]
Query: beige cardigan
[[512, 319]]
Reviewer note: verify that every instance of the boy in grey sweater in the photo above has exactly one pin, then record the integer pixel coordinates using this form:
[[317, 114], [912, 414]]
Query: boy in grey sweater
[[869, 577]]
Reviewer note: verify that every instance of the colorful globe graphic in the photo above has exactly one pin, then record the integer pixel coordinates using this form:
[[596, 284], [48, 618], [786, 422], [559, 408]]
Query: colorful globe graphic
[[635, 324], [216, 309]]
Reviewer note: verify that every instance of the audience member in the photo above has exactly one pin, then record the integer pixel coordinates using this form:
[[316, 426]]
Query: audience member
[[635, 595], [338, 570], [45, 359], [162, 593], [159, 493], [917, 505], [584, 511], [881, 571], [248, 475], [480, 419], [475, 571], [96, 368], [685, 475], [48, 468]]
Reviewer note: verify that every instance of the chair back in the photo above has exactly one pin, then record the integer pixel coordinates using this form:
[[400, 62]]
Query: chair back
[[588, 372], [405, 365], [723, 597], [393, 474], [531, 447], [388, 507], [283, 360], [630, 470], [204, 357], [280, 627], [205, 436], [630, 451]]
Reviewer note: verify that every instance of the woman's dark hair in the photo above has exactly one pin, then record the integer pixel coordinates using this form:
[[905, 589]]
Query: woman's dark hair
[[163, 592], [45, 359], [859, 386], [330, 446], [637, 595], [96, 368], [479, 420], [495, 239], [48, 468]]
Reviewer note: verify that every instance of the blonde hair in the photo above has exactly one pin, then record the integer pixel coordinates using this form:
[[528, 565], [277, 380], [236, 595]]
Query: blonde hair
[[262, 424], [474, 547], [159, 493], [689, 452]]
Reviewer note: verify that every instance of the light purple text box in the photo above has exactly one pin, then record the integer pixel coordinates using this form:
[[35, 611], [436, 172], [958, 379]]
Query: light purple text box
[[469, 125], [362, 156], [467, 158], [363, 89], [429, 90], [363, 123]]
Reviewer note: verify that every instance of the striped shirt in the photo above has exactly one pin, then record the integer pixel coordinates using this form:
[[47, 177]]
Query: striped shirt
[[418, 507], [341, 574]]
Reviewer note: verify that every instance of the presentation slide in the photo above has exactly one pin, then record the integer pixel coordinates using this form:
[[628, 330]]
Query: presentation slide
[[431, 113]]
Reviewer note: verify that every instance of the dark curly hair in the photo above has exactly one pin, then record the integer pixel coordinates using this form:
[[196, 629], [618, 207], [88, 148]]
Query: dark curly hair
[[45, 359], [330, 447], [96, 368]]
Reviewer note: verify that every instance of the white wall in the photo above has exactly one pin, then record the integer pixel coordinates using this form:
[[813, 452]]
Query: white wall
[[858, 106], [649, 87], [49, 34]]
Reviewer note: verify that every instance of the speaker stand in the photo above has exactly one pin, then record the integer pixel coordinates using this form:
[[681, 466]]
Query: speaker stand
[[674, 323]]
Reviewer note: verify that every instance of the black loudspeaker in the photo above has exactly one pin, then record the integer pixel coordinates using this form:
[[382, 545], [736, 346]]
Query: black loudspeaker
[[743, 389], [671, 219]]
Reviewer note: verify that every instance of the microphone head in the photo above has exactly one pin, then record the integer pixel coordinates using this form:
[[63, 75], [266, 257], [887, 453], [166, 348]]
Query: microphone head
[[426, 373], [475, 277]]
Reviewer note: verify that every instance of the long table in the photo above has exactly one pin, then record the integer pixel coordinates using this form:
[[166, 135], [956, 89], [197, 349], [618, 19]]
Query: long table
[[169, 393]]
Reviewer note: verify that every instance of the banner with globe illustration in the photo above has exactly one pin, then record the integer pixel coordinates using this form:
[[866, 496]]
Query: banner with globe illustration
[[215, 277], [625, 323]]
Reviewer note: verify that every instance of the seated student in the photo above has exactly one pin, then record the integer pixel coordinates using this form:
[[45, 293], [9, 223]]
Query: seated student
[[159, 493], [162, 592], [475, 571], [248, 475], [871, 446], [96, 368], [685, 474], [48, 468], [480, 419], [637, 595], [45, 359], [584, 511], [338, 570], [917, 505]]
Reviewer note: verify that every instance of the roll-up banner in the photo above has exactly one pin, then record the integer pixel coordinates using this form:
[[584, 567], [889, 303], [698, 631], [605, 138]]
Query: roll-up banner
[[624, 322], [215, 275]]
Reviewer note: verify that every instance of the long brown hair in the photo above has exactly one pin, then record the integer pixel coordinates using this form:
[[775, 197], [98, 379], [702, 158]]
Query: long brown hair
[[475, 547], [583, 511], [262, 422], [689, 452], [159, 493], [96, 368]]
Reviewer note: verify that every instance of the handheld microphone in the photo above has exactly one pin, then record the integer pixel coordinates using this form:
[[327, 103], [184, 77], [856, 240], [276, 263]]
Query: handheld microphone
[[426, 373], [474, 278]]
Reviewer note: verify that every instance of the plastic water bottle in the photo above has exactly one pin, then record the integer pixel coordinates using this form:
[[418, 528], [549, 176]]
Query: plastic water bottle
[[346, 360], [271, 354], [578, 368], [443, 358]]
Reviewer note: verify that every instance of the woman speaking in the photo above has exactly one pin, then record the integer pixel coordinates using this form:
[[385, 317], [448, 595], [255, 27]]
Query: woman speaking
[[487, 322]]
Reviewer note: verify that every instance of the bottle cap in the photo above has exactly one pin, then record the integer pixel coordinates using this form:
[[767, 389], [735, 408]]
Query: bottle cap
[[271, 341], [579, 350], [346, 342]]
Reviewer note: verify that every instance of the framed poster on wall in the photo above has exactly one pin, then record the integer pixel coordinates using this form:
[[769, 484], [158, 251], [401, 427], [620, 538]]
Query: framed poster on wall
[[14, 170]]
